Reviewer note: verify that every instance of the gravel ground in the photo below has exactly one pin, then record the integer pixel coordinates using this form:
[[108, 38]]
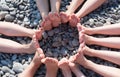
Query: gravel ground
[[59, 42]]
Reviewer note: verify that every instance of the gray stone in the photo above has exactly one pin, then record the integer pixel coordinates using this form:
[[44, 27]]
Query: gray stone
[[17, 67], [4, 7], [6, 69], [13, 13], [44, 34], [2, 14], [9, 18], [64, 51], [56, 44], [75, 42], [14, 57], [21, 7], [4, 62], [51, 33]]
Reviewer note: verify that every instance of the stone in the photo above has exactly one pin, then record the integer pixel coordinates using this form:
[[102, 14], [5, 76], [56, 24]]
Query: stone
[[56, 44], [4, 7], [9, 18], [17, 67], [75, 42], [3, 14], [51, 33], [44, 34], [6, 69]]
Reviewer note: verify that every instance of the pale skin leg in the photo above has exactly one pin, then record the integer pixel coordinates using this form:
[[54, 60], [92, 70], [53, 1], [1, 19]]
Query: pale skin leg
[[112, 42], [34, 65], [51, 65], [44, 10], [100, 69], [88, 7], [64, 66], [53, 15], [9, 46], [43, 7], [113, 29], [11, 29], [75, 69], [111, 56]]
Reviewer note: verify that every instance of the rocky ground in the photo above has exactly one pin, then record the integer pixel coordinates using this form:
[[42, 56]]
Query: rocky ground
[[59, 42]]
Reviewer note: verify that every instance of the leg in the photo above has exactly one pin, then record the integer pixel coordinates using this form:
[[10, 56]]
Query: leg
[[11, 29], [8, 46], [111, 56], [100, 69], [73, 6], [55, 5], [50, 63], [43, 7], [75, 69], [54, 16], [65, 16], [34, 65], [88, 7], [113, 29], [64, 66]]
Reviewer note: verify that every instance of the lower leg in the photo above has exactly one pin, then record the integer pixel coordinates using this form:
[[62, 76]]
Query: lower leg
[[55, 5], [34, 65], [113, 29], [89, 6], [51, 63], [8, 46], [111, 56], [64, 66], [43, 7], [73, 6], [100, 69], [75, 69], [12, 29]]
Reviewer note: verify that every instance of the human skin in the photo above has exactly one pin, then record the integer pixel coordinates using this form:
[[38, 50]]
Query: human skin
[[50, 63], [87, 7], [103, 70], [11, 29], [34, 65], [112, 42], [51, 19]]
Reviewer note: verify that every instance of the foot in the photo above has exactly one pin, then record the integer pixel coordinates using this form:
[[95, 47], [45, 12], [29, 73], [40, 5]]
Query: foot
[[84, 29], [73, 20], [75, 69], [38, 33], [64, 66], [51, 65], [79, 57], [64, 17], [55, 19], [39, 55], [32, 47], [46, 24], [86, 38]]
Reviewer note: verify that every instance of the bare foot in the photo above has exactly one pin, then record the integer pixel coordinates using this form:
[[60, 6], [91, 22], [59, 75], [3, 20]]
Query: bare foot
[[86, 38], [34, 65], [55, 19], [31, 48], [73, 20], [64, 17], [64, 66], [51, 65], [75, 69], [84, 29], [38, 33], [46, 24], [39, 55], [79, 57]]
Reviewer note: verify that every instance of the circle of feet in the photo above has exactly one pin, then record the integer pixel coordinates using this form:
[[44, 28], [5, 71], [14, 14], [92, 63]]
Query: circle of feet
[[60, 41]]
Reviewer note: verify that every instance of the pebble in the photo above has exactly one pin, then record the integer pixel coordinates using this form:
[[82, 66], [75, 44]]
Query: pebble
[[6, 69], [17, 67], [3, 14], [9, 18]]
